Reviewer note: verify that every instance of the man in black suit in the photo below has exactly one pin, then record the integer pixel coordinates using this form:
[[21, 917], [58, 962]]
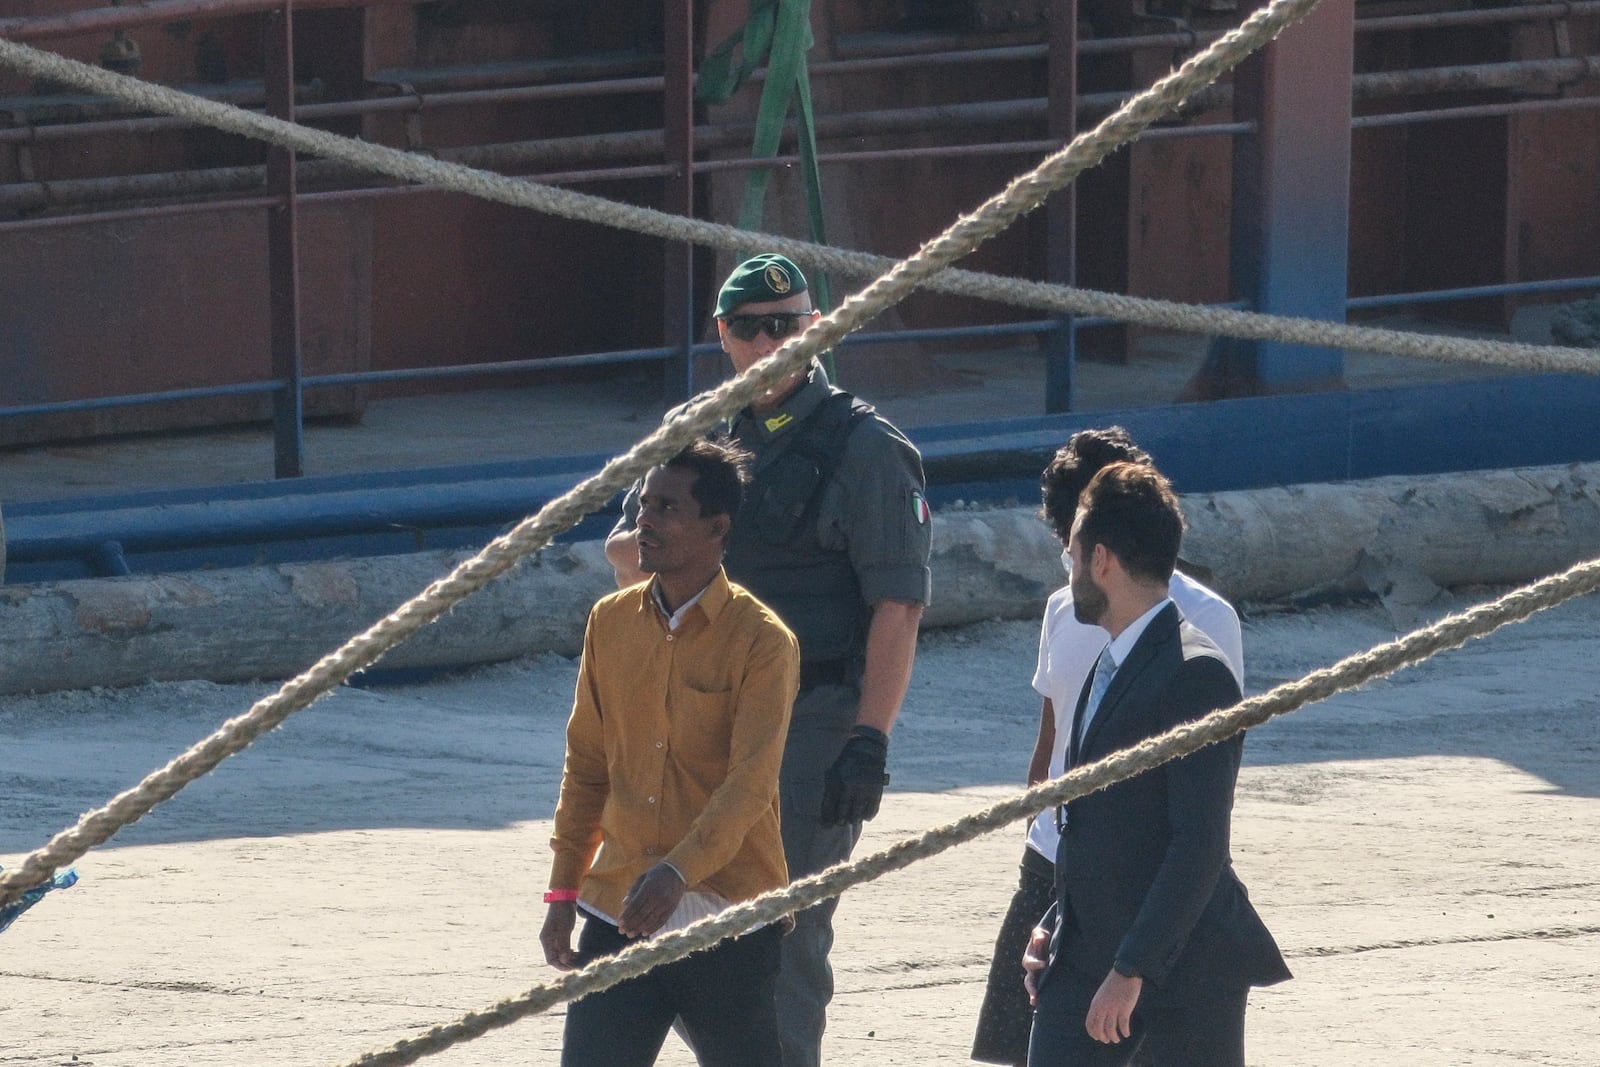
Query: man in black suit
[[1152, 942]]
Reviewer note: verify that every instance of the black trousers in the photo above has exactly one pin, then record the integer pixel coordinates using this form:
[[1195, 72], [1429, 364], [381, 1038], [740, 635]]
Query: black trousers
[[724, 994], [1204, 1032], [1006, 1017], [1005, 1022]]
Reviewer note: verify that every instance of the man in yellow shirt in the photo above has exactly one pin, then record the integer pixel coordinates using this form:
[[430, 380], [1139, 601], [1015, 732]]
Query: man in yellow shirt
[[669, 795]]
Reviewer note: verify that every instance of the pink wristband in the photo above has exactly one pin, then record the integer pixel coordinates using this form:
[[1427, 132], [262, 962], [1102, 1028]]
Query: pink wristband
[[560, 896]]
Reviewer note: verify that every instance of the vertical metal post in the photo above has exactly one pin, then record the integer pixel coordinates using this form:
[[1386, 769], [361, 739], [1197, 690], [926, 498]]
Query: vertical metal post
[[283, 267], [1291, 196], [1060, 212], [678, 195]]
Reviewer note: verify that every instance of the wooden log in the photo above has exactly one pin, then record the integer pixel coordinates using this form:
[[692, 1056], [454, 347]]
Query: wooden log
[[1401, 538], [1479, 527], [275, 621]]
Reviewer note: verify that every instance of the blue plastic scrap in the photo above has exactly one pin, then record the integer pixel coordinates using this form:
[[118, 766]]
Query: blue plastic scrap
[[62, 880]]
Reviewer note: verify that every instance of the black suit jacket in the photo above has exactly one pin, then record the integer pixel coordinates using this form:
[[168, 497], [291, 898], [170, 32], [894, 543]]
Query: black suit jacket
[[1143, 873]]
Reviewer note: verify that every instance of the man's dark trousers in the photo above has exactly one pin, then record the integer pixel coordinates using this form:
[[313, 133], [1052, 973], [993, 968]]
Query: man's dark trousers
[[724, 995], [823, 716], [1203, 1032]]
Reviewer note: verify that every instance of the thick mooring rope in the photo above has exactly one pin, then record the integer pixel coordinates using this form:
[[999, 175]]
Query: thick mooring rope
[[1349, 673], [1022, 195], [928, 267], [1084, 152]]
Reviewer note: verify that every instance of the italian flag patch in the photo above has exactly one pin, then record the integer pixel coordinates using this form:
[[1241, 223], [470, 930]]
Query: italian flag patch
[[919, 508]]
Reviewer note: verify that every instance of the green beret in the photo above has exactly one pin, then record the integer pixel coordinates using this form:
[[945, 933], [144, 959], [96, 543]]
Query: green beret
[[758, 280]]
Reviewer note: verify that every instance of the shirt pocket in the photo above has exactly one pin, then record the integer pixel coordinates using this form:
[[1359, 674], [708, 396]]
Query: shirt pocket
[[701, 726]]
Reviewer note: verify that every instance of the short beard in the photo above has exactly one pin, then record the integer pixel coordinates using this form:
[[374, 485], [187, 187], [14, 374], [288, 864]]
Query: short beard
[[1089, 601]]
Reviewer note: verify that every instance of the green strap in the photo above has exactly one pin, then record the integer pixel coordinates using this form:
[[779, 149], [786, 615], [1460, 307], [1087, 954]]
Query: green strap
[[779, 32], [812, 175], [717, 80], [790, 40], [810, 170]]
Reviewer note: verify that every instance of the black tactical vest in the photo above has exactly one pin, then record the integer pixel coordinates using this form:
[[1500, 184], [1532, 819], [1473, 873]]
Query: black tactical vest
[[773, 549]]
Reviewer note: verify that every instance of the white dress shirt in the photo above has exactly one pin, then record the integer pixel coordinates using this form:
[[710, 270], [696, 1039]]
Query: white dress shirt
[[1069, 648]]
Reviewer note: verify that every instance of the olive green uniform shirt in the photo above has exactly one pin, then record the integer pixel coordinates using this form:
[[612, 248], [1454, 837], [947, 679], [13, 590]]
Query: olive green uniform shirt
[[874, 508]]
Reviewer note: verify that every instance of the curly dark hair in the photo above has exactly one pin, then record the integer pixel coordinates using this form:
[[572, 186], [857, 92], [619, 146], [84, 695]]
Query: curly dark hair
[[1075, 464]]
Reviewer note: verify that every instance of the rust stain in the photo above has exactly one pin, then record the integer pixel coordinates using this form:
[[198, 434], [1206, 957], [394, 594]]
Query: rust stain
[[322, 585], [115, 611], [185, 593]]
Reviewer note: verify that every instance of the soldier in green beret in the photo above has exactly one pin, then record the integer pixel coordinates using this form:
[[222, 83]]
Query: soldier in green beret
[[833, 536]]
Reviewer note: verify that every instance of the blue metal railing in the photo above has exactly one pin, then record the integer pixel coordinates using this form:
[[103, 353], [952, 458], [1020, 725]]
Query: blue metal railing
[[662, 353]]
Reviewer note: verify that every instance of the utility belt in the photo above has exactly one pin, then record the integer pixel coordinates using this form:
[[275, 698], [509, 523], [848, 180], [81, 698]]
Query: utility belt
[[846, 670]]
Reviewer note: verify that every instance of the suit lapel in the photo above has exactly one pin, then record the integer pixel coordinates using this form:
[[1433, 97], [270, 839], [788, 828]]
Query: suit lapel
[[1077, 720], [1162, 628]]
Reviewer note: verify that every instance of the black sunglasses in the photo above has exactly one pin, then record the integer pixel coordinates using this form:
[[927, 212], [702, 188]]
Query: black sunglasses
[[777, 324]]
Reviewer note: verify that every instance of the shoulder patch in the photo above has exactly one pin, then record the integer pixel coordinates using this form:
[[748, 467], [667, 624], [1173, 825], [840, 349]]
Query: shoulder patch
[[919, 508]]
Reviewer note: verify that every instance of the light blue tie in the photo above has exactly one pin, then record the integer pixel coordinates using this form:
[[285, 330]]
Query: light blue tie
[[1105, 668]]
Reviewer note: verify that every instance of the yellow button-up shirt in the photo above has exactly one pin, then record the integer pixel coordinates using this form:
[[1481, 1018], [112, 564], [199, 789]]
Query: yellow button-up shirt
[[674, 747]]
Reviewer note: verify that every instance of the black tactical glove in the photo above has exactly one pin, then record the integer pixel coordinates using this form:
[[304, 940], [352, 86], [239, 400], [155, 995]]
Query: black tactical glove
[[854, 784]]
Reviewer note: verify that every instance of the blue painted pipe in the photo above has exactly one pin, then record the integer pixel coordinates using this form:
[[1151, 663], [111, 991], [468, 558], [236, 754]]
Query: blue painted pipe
[[102, 537], [1228, 444], [107, 560]]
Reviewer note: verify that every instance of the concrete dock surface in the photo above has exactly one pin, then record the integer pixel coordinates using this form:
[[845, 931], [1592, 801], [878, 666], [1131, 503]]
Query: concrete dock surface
[[1423, 848]]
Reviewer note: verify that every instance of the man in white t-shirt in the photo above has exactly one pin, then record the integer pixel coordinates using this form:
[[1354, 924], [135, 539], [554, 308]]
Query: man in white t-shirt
[[1067, 651]]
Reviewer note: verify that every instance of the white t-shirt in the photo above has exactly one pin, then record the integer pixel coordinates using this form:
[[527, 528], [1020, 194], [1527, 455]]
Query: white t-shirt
[[1068, 649]]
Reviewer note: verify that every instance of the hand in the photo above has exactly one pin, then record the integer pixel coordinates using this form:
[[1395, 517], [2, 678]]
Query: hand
[[853, 786], [622, 552], [556, 937], [1034, 960], [1111, 1010], [650, 901]]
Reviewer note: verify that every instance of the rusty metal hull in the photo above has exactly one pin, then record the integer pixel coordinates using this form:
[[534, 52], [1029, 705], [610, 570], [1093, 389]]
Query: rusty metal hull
[[146, 305]]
